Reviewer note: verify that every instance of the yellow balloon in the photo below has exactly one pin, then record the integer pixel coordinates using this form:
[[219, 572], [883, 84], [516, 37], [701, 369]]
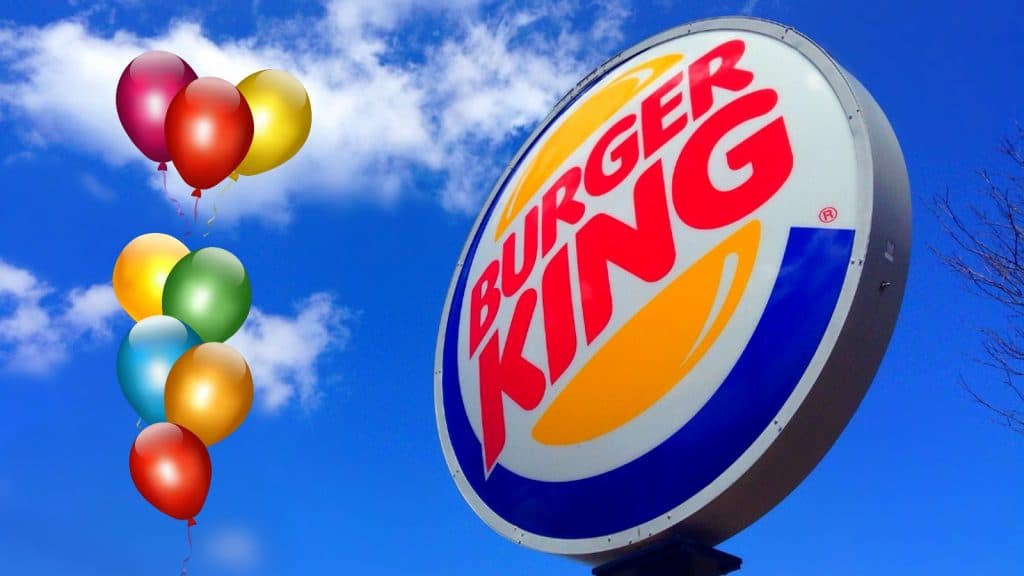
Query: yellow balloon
[[209, 391], [141, 270], [281, 119]]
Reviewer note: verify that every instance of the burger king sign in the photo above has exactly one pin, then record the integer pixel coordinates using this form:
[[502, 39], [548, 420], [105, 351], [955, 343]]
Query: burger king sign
[[676, 296]]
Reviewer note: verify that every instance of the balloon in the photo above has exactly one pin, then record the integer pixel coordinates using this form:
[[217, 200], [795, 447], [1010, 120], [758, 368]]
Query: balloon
[[209, 391], [145, 358], [209, 130], [209, 290], [141, 270], [171, 469], [144, 93], [281, 116]]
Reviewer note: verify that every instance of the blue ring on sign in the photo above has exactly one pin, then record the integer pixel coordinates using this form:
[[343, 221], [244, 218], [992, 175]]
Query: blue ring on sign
[[798, 312]]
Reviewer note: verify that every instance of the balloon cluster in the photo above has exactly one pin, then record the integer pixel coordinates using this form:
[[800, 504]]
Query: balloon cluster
[[208, 128], [174, 369]]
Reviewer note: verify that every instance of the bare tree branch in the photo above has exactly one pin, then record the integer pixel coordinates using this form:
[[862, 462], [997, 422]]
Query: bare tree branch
[[987, 232]]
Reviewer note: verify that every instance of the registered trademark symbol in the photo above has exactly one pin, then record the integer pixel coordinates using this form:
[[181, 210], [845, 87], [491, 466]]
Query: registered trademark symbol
[[828, 214]]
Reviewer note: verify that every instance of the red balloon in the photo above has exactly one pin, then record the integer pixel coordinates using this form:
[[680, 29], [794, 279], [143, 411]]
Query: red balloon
[[145, 90], [171, 469], [209, 130]]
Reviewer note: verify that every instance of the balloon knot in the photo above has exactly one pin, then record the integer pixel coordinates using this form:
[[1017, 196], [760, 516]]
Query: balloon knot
[[191, 521], [162, 167], [233, 176], [197, 193]]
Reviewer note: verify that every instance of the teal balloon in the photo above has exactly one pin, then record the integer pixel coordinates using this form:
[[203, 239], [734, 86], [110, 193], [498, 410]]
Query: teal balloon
[[209, 290], [145, 358]]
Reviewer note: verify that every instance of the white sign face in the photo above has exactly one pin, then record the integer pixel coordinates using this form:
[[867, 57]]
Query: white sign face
[[659, 286]]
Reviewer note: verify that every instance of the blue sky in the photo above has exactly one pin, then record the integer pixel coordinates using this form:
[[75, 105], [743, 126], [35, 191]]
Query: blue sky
[[350, 246]]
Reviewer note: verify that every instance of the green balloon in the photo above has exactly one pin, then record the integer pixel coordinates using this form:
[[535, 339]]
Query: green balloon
[[209, 291]]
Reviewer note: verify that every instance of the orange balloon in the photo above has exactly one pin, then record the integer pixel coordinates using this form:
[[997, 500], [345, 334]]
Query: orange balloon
[[141, 270], [209, 391]]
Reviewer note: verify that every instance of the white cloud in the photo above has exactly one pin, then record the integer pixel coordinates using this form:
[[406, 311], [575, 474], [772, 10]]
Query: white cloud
[[490, 93], [360, 16], [284, 352], [39, 326], [90, 309], [35, 331], [97, 189], [608, 26], [235, 549], [384, 107], [19, 283]]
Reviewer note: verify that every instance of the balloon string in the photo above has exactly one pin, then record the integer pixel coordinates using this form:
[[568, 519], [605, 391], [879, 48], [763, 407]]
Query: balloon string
[[220, 195], [138, 424], [168, 194], [177, 205], [188, 533], [195, 211]]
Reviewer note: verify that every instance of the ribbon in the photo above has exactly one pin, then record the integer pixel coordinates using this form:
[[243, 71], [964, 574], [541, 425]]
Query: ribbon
[[220, 195], [177, 205], [163, 172], [197, 193], [188, 533]]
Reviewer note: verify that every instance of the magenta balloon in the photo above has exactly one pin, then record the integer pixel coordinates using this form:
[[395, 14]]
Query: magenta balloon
[[144, 93]]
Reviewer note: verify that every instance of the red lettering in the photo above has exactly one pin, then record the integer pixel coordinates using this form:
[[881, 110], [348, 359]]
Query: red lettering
[[727, 76], [567, 209], [559, 324], [511, 279], [484, 299], [507, 373], [653, 110], [768, 152], [626, 154], [646, 251]]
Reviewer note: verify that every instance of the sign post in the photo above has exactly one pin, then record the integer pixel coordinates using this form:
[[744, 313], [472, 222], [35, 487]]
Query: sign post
[[673, 556], [674, 299]]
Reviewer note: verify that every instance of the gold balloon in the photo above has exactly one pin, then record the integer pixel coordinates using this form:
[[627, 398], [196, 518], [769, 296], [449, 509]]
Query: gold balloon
[[281, 119], [209, 391], [141, 270]]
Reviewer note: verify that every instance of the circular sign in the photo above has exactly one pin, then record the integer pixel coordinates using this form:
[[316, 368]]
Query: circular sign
[[676, 296]]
